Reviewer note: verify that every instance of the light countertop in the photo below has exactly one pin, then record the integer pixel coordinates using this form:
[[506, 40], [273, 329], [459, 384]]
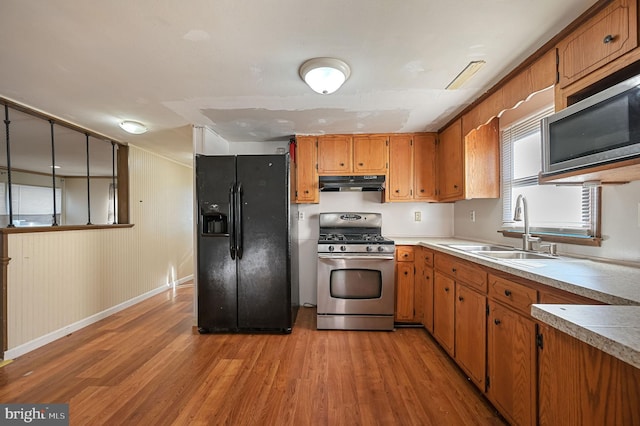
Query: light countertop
[[613, 328]]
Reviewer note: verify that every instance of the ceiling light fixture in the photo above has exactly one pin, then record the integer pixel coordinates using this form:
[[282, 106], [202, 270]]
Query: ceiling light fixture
[[468, 72], [324, 75], [133, 127]]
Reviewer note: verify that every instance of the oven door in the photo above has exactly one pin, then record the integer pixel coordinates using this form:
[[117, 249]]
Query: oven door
[[355, 284]]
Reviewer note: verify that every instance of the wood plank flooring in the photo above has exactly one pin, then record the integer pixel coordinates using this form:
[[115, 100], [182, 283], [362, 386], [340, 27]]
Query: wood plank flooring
[[148, 366]]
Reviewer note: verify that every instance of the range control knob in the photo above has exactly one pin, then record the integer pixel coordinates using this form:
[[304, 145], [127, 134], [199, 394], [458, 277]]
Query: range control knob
[[343, 248], [331, 248], [380, 248], [369, 248]]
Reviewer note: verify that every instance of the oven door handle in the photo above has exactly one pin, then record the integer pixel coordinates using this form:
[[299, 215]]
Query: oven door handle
[[356, 257]]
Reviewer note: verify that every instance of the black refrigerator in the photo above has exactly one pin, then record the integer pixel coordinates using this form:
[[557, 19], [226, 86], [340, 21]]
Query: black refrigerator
[[245, 279]]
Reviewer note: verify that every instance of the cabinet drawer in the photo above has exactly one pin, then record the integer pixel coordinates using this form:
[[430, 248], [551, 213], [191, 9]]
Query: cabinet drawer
[[462, 271], [512, 294], [427, 258], [404, 254]]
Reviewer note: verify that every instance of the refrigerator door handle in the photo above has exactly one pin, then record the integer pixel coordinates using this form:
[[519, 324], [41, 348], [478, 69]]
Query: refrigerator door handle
[[238, 221], [232, 224]]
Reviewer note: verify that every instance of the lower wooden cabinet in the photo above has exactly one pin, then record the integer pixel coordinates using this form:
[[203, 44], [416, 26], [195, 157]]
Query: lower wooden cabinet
[[471, 333], [444, 311], [405, 285], [511, 354], [581, 385]]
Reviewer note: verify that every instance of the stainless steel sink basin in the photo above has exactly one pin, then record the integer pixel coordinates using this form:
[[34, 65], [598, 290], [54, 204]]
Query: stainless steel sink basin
[[478, 247], [515, 255]]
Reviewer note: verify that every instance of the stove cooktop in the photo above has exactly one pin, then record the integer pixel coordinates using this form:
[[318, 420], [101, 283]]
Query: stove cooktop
[[354, 239]]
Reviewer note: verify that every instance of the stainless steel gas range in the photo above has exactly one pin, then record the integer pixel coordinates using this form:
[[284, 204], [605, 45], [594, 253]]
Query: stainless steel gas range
[[355, 273]]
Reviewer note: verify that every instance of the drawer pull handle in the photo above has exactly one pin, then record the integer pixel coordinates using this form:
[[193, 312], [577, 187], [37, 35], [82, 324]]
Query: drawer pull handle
[[507, 293], [497, 321], [453, 270], [608, 39], [460, 298]]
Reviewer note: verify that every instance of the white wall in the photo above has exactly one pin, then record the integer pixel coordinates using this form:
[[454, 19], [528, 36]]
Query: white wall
[[60, 281]]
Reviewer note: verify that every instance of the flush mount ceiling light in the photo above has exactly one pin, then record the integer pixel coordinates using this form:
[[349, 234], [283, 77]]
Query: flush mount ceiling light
[[468, 72], [324, 75], [133, 127]]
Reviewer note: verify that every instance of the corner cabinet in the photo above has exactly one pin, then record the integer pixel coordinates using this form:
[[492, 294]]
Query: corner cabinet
[[412, 167], [470, 165], [306, 174]]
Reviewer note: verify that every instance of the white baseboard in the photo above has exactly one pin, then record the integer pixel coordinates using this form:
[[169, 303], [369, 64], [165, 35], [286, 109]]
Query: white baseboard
[[57, 334]]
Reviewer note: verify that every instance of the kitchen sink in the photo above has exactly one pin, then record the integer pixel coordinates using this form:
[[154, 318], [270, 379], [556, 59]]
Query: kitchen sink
[[515, 255], [479, 247]]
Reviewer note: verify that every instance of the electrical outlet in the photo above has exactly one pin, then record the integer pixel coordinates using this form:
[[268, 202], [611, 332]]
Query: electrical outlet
[[300, 215], [472, 215], [417, 216]]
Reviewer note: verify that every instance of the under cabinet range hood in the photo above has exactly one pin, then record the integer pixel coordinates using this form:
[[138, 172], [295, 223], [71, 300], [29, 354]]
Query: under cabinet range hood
[[352, 183]]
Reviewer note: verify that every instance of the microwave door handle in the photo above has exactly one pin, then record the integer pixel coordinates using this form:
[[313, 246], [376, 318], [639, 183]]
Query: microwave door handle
[[232, 224], [238, 221]]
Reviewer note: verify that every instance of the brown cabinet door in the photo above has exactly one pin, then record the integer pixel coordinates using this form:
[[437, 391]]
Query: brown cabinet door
[[335, 155], [582, 385], [443, 311], [400, 185], [608, 35], [471, 333], [424, 154], [405, 283], [482, 161], [306, 179], [427, 298], [370, 154], [450, 162], [511, 355]]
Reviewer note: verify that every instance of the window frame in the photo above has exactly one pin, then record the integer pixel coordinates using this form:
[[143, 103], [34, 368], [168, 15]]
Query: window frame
[[591, 195]]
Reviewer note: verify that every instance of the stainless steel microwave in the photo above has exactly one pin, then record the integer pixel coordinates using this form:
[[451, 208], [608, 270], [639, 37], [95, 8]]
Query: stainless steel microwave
[[601, 129]]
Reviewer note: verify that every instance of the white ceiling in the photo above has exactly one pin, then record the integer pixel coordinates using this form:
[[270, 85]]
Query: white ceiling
[[232, 65]]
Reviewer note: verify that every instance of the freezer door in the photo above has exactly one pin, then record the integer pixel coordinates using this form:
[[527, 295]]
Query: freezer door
[[217, 274], [264, 280]]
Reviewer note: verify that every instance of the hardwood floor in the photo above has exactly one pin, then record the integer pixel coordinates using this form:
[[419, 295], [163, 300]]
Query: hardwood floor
[[147, 366]]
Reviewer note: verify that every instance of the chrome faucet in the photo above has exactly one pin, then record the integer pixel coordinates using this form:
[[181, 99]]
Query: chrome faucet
[[527, 239]]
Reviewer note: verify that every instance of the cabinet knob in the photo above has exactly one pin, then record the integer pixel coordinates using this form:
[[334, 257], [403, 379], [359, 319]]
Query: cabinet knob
[[455, 186], [446, 289], [406, 255], [497, 321], [421, 190], [608, 39], [406, 273], [460, 298], [397, 190], [306, 191], [360, 164], [341, 164], [453, 270], [507, 293]]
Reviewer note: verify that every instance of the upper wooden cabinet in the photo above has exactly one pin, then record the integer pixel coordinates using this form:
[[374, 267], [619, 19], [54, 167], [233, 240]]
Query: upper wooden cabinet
[[335, 155], [605, 37], [370, 154], [451, 163], [306, 175], [469, 167], [412, 167], [358, 155]]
